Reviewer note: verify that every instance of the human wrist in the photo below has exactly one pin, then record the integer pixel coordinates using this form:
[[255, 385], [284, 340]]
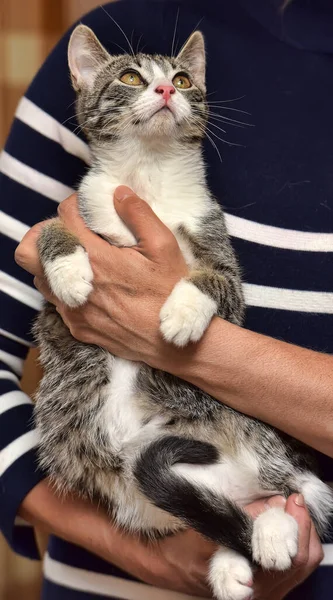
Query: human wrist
[[197, 362]]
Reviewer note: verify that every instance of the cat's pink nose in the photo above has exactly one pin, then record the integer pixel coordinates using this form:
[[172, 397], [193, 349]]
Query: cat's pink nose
[[165, 91]]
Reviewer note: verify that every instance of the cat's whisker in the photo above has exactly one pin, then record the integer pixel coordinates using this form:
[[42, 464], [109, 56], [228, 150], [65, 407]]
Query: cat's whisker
[[215, 107], [192, 32], [138, 45], [214, 146], [174, 33], [203, 130], [222, 116], [120, 28], [224, 123], [225, 101], [84, 112], [217, 127], [227, 121], [71, 104], [80, 127], [120, 47], [222, 140], [206, 129]]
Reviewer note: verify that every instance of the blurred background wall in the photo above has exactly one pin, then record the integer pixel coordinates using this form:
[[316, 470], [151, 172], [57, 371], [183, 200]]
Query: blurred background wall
[[28, 31]]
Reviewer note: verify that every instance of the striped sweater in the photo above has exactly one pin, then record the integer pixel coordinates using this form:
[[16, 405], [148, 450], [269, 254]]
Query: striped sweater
[[276, 188]]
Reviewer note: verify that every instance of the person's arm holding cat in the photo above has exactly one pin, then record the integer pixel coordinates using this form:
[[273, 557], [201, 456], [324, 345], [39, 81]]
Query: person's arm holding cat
[[177, 562], [266, 378]]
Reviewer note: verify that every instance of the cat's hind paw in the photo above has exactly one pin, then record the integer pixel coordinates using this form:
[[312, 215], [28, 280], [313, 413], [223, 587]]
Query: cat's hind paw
[[70, 277], [275, 539], [230, 576], [186, 314]]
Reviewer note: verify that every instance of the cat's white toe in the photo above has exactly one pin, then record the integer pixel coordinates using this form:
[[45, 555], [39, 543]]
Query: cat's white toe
[[186, 314], [70, 277], [230, 576], [275, 539]]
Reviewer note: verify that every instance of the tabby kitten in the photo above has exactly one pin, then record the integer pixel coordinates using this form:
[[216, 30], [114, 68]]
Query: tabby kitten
[[159, 453]]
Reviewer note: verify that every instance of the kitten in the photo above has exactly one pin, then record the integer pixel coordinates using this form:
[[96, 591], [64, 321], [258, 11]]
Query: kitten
[[159, 453]]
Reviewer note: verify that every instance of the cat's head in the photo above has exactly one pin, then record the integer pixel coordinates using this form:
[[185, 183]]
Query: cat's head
[[147, 96]]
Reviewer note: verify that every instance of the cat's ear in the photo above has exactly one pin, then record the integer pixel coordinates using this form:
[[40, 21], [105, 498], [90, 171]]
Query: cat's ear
[[85, 56], [193, 57]]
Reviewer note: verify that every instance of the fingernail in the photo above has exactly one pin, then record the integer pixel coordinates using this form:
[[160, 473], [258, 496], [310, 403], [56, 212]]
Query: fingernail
[[299, 500], [122, 192], [276, 502]]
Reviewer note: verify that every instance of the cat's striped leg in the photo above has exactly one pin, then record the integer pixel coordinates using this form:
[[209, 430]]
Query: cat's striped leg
[[193, 302], [65, 263]]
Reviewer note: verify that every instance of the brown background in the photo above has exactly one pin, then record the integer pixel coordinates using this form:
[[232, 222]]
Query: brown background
[[28, 31]]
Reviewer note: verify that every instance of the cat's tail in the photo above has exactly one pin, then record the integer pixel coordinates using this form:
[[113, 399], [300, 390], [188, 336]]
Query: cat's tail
[[195, 503]]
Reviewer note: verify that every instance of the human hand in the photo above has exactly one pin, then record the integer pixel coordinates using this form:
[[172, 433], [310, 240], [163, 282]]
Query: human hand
[[178, 562], [130, 284], [183, 559], [269, 585]]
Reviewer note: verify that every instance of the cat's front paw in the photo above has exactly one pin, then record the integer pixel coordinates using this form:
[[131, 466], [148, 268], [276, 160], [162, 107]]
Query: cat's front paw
[[70, 277], [275, 539], [186, 314]]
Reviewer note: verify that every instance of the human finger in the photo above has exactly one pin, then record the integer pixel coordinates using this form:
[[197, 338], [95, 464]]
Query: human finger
[[26, 253], [155, 240]]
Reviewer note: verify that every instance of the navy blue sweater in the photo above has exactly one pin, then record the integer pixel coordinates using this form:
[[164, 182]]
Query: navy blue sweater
[[276, 188]]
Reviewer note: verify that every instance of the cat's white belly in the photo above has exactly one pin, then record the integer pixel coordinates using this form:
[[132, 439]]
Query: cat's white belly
[[121, 415], [235, 477], [128, 434]]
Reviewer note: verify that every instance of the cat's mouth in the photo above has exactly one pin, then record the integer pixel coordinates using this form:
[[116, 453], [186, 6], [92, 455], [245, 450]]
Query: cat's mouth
[[163, 110], [162, 114]]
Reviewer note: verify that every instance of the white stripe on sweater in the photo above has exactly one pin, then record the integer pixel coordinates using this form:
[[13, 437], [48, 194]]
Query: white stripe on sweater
[[13, 399], [278, 237], [14, 362], [19, 522], [328, 555], [41, 121], [29, 177], [18, 448], [9, 376], [20, 291], [12, 227], [106, 585], [284, 299], [15, 338]]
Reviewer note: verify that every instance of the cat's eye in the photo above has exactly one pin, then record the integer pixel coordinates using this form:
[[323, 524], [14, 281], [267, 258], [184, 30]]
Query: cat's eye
[[131, 78], [181, 82]]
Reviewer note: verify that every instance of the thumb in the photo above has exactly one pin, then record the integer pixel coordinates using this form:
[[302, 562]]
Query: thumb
[[259, 506], [153, 237]]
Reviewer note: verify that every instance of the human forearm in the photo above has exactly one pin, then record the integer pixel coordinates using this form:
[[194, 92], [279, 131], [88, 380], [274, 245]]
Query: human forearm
[[285, 385], [157, 563], [79, 522], [72, 519]]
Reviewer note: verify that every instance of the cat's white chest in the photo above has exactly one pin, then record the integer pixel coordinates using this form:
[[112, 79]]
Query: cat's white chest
[[175, 203]]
